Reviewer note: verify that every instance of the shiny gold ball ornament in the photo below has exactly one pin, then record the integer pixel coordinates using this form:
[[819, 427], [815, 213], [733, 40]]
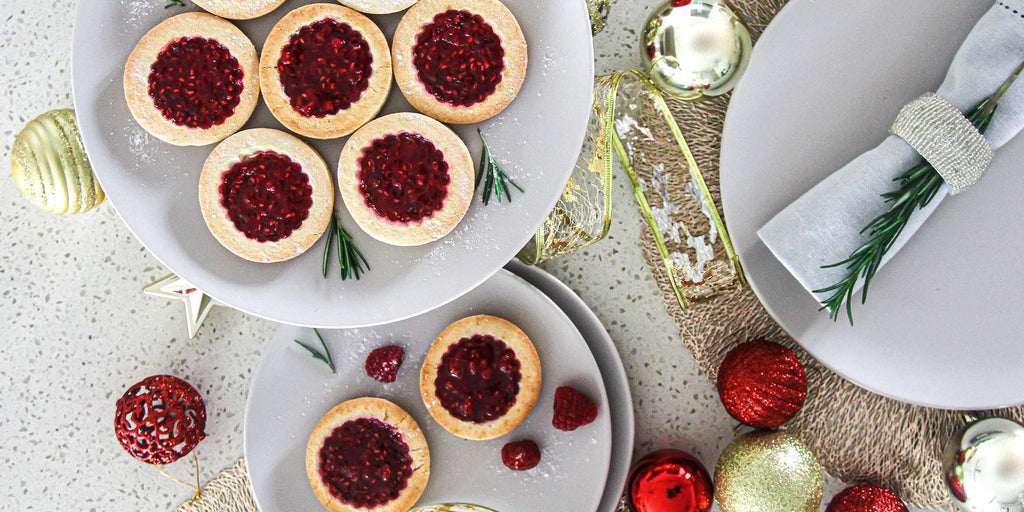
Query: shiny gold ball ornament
[[983, 466], [768, 471], [695, 48], [599, 11], [50, 166]]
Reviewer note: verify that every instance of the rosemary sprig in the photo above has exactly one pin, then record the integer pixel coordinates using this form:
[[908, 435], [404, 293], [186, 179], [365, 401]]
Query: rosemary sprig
[[917, 188], [324, 357], [174, 3], [353, 263], [496, 181]]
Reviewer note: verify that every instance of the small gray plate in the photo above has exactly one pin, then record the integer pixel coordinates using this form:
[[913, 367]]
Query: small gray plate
[[291, 391]]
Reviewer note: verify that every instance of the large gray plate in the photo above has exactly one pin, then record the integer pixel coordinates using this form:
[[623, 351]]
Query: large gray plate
[[942, 325], [290, 392], [154, 185]]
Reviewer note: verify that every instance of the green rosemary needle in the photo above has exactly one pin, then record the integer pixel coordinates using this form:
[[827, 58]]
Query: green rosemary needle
[[174, 3], [495, 180], [324, 357], [353, 263]]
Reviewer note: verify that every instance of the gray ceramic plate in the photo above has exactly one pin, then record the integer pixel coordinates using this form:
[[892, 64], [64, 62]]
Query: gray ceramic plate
[[291, 391], [154, 185], [942, 325]]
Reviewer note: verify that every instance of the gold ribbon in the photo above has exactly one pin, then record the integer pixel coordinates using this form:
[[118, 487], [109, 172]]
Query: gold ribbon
[[583, 215]]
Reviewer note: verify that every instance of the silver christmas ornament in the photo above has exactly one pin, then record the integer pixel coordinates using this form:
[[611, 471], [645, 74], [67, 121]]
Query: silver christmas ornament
[[695, 48], [983, 466]]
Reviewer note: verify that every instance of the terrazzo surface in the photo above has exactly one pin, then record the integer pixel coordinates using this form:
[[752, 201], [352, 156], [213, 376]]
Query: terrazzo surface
[[78, 331]]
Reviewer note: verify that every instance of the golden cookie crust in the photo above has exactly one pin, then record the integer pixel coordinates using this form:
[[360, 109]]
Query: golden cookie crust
[[504, 25], [378, 6], [239, 10], [386, 412], [345, 121], [460, 189], [529, 386], [245, 144], [137, 69]]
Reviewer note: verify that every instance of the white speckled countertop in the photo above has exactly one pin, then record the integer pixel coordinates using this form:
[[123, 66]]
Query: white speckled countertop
[[77, 330]]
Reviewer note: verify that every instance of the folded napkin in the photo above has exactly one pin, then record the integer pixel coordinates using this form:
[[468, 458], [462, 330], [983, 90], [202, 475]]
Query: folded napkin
[[824, 225]]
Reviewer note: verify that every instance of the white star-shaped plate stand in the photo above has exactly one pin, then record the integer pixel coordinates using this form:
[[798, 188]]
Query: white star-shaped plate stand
[[197, 303]]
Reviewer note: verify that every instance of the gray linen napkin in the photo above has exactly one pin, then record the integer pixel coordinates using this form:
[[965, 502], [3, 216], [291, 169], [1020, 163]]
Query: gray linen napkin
[[823, 226]]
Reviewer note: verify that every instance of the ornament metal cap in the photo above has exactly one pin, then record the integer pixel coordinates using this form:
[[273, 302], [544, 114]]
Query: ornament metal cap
[[695, 48], [983, 466]]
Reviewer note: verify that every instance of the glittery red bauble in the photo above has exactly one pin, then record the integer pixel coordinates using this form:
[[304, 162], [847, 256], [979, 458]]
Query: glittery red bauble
[[762, 384], [670, 481], [160, 419], [866, 498]]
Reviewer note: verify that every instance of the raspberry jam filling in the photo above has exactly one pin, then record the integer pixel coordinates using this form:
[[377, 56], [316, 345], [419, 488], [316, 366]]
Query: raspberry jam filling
[[478, 379], [403, 177], [325, 68], [459, 58], [267, 196], [365, 463], [195, 82]]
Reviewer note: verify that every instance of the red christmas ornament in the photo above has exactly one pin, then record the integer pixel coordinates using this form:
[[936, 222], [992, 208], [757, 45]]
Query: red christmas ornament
[[866, 498], [670, 481], [160, 419], [762, 384]]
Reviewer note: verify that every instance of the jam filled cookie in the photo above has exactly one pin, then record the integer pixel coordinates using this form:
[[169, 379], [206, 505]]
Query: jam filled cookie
[[192, 80], [326, 70], [481, 377], [459, 61], [239, 9], [406, 179], [367, 454], [378, 6], [266, 195]]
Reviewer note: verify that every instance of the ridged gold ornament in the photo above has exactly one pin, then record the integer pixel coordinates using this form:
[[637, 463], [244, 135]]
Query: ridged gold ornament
[[767, 471], [50, 166]]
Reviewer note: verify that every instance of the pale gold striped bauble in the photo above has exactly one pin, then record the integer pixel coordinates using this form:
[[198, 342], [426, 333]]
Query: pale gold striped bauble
[[50, 167]]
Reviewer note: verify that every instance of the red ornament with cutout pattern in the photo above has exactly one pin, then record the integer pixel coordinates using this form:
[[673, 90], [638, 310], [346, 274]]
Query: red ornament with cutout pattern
[[160, 419]]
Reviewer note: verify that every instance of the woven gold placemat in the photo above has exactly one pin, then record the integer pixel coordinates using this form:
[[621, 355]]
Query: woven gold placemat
[[229, 492], [858, 436]]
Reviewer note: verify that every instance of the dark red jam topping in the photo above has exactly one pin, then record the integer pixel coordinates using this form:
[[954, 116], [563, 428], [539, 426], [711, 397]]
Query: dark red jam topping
[[478, 379], [267, 196], [325, 68], [365, 463], [196, 82], [403, 177], [459, 58]]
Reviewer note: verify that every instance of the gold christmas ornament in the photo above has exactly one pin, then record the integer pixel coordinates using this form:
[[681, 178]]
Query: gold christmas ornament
[[768, 471], [50, 166], [983, 466], [695, 48], [599, 10]]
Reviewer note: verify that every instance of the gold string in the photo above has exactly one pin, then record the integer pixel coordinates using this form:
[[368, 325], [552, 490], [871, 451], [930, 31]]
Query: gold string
[[182, 482]]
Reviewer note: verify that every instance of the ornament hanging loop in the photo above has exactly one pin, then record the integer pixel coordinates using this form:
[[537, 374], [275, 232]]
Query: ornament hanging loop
[[194, 486]]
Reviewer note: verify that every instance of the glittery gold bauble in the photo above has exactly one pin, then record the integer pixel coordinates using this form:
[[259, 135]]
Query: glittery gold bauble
[[983, 466], [599, 10], [694, 48], [50, 167], [767, 471]]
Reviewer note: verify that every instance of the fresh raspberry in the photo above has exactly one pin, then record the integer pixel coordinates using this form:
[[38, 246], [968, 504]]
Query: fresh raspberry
[[383, 363], [573, 409], [521, 455]]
